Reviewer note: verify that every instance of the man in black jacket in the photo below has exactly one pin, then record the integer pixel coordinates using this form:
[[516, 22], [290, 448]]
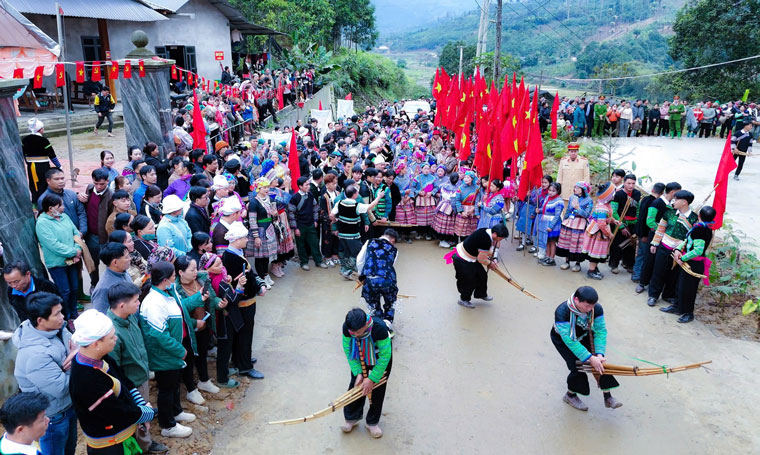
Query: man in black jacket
[[197, 214], [303, 215], [104, 104], [21, 284]]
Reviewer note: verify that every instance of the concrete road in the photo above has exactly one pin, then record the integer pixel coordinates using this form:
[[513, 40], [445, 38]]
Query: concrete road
[[488, 380]]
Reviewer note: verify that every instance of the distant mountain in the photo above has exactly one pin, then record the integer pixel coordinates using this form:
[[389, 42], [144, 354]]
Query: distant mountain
[[396, 16]]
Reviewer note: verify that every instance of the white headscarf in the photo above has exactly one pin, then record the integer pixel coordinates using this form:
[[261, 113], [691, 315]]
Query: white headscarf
[[35, 125], [91, 326], [236, 231]]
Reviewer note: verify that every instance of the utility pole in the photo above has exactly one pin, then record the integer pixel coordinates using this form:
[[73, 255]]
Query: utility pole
[[483, 28], [461, 56], [59, 25], [497, 50]]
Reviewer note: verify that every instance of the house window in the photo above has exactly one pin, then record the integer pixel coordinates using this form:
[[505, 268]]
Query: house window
[[91, 48], [190, 58]]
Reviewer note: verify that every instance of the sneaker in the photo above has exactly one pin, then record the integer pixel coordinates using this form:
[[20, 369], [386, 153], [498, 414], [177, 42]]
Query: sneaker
[[408, 239], [575, 402], [268, 280], [185, 417], [532, 249], [487, 298], [195, 397], [520, 247], [577, 268], [374, 431], [565, 266], [231, 384], [322, 265], [110, 135], [541, 255], [330, 263], [736, 177], [177, 431], [349, 425], [428, 237], [212, 352], [208, 386], [594, 274], [84, 298], [444, 244], [548, 262], [466, 303], [305, 267]]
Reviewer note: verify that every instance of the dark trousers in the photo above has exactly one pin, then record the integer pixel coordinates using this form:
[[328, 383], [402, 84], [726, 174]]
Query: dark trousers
[[267, 108], [102, 116], [93, 245], [663, 128], [664, 276], [705, 128], [187, 373], [262, 266], [577, 382], [725, 128], [241, 346], [329, 243], [355, 410], [374, 290], [647, 268], [168, 396], [688, 286], [627, 254], [66, 278], [471, 279], [740, 160], [652, 126], [642, 254], [308, 237], [223, 353]]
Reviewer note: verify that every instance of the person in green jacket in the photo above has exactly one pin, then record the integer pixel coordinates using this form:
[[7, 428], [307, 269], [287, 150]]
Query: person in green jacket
[[367, 345], [164, 321], [57, 236], [129, 352], [201, 303], [600, 117], [675, 112]]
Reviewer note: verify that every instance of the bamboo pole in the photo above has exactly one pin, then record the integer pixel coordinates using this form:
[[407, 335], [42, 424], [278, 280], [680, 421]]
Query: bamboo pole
[[622, 370], [617, 228]]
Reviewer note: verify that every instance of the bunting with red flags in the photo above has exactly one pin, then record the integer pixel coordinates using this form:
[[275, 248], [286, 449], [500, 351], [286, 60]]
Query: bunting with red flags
[[174, 72], [114, 73], [127, 70], [60, 75], [38, 77], [79, 77], [96, 72], [18, 73], [141, 68]]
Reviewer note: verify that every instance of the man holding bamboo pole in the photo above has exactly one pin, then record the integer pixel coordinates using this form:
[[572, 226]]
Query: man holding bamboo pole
[[625, 205], [367, 344], [580, 332]]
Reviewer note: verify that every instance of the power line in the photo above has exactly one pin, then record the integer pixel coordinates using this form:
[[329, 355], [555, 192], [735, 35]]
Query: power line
[[522, 16], [542, 5], [533, 12], [662, 73]]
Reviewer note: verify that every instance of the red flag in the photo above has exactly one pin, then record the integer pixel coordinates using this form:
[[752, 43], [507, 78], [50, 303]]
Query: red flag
[[18, 73], [726, 165], [463, 134], [199, 129], [349, 97], [320, 105], [293, 164], [141, 68], [437, 84], [533, 173], [79, 72], [38, 77], [127, 70], [174, 72], [96, 71], [114, 74], [190, 79], [280, 97], [60, 75], [555, 109], [179, 73]]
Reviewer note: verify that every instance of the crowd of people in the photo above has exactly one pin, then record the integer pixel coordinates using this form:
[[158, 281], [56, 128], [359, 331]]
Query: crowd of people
[[595, 117], [189, 241]]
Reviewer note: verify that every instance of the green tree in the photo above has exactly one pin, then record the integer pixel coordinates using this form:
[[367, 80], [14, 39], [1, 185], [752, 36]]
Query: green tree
[[353, 20], [309, 21], [694, 44], [509, 65], [449, 57]]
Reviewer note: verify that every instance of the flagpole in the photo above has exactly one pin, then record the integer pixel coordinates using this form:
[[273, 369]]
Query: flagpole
[[59, 23]]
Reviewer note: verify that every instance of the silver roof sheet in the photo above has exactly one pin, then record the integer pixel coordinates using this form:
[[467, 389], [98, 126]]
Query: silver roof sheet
[[118, 10]]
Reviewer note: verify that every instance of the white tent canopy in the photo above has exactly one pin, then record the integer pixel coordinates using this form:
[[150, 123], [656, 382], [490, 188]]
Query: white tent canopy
[[23, 45]]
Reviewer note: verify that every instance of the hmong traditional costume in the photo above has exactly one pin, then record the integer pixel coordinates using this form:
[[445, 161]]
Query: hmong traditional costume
[[527, 211], [405, 208], [492, 212], [570, 335], [349, 234], [598, 234], [376, 261], [261, 214], [445, 213], [671, 230], [424, 205], [375, 350], [471, 275], [38, 153], [464, 203], [694, 247], [627, 255], [572, 232], [108, 406], [285, 243], [549, 218]]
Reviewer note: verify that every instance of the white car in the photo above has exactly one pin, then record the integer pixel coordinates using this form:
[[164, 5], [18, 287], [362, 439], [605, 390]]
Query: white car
[[410, 107]]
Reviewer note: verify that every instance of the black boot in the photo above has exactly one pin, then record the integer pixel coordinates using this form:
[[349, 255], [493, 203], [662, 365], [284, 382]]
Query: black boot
[[672, 309], [687, 317]]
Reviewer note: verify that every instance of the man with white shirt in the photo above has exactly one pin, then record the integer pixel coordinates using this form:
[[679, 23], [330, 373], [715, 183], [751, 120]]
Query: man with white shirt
[[23, 417]]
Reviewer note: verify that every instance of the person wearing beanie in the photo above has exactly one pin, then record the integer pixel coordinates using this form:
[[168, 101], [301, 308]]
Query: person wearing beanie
[[238, 267], [221, 147], [38, 154], [108, 405]]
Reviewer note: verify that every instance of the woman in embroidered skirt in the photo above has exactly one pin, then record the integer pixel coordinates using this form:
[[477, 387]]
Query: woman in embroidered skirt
[[445, 214], [405, 209], [548, 224], [465, 203], [598, 234], [262, 237], [424, 203], [572, 232], [285, 243], [526, 210]]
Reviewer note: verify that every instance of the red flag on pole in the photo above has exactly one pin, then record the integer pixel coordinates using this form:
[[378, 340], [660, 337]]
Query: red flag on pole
[[293, 164], [127, 70], [79, 72], [533, 173], [141, 68], [555, 109], [349, 97], [199, 129], [174, 72], [726, 165], [18, 73], [60, 75], [280, 98], [38, 77], [463, 144], [320, 105], [96, 71], [114, 74]]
